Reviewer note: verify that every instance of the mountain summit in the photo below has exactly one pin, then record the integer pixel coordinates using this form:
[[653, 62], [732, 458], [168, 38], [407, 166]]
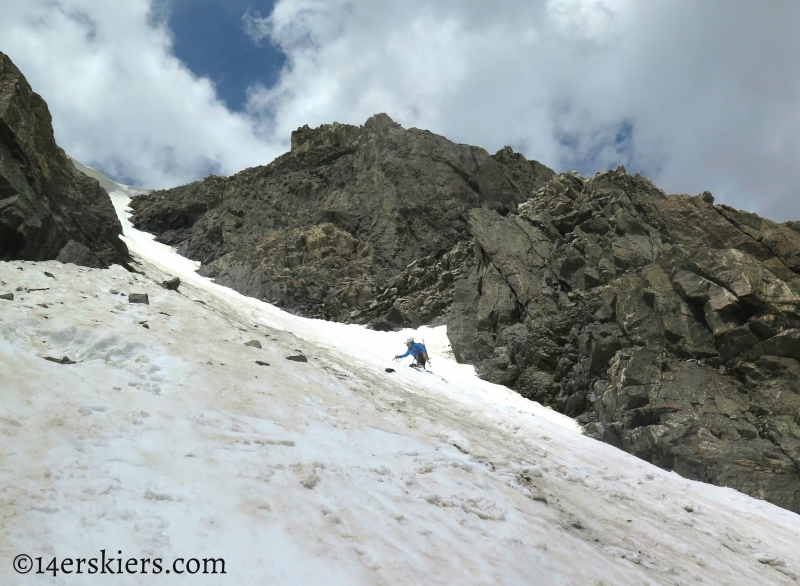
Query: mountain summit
[[321, 229]]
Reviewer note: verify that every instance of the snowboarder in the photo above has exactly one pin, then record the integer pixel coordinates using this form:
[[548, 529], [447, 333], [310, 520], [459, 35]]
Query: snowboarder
[[418, 351]]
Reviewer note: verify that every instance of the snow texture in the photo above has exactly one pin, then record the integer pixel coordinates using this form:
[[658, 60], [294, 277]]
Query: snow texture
[[172, 441]]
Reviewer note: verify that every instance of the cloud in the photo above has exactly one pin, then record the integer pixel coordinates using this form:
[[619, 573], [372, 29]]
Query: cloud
[[697, 95], [255, 26], [120, 101]]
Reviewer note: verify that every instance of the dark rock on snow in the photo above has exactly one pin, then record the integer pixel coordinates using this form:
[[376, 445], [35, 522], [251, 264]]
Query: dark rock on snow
[[668, 325], [253, 344], [7, 296], [297, 358], [260, 363], [172, 284], [139, 298], [64, 360], [48, 209]]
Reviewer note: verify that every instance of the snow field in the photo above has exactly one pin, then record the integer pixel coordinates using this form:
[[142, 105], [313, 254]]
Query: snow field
[[170, 441]]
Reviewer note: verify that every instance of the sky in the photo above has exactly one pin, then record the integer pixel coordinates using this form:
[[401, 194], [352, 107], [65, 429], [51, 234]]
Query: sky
[[698, 95]]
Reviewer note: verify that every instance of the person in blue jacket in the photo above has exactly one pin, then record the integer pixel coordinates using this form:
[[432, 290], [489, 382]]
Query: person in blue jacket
[[418, 351]]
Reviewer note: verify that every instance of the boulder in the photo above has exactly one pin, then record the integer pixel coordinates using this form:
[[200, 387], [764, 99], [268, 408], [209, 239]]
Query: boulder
[[171, 284], [78, 254], [139, 298], [786, 344]]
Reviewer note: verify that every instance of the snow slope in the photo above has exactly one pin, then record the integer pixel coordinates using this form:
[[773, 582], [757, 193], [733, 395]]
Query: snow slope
[[170, 441]]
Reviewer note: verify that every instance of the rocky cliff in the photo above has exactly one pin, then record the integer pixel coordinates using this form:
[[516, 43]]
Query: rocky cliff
[[669, 326], [48, 209], [323, 228]]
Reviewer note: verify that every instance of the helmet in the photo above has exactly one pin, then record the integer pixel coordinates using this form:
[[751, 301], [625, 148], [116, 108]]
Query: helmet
[[409, 340]]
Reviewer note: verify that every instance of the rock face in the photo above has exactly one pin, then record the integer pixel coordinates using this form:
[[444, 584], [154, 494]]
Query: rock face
[[48, 209], [324, 229], [669, 326]]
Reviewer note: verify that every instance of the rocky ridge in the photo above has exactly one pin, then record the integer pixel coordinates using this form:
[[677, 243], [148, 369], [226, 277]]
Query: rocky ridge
[[48, 209], [669, 326], [324, 228]]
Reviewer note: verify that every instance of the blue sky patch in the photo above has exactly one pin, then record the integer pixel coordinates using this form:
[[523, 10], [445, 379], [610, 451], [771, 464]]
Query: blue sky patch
[[589, 151], [209, 37]]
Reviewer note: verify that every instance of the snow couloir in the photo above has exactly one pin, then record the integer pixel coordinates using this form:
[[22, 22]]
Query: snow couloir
[[179, 441]]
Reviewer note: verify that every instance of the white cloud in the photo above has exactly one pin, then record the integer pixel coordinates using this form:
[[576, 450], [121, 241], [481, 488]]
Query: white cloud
[[698, 95], [120, 101]]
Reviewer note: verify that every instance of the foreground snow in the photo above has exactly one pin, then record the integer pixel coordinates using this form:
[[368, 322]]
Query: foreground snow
[[171, 442]]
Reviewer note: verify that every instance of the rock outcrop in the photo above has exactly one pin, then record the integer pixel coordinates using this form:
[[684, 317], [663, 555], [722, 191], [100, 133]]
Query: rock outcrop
[[668, 325], [48, 209], [324, 229]]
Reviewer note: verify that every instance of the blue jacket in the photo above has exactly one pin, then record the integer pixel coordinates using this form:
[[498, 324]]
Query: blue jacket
[[414, 350]]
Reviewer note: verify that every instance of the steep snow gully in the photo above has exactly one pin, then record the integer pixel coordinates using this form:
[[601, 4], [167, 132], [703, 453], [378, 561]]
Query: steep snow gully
[[169, 439]]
